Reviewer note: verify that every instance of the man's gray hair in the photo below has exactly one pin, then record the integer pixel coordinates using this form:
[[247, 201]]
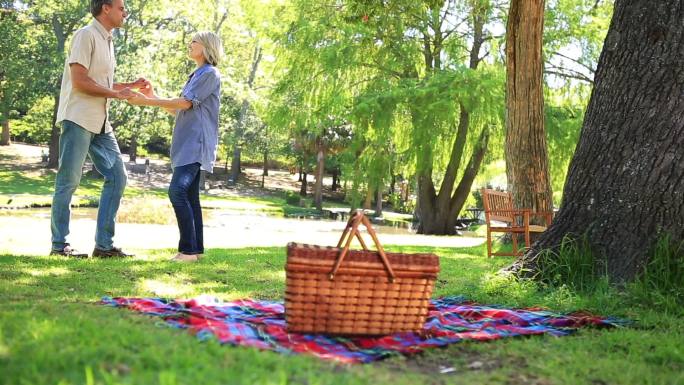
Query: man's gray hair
[[213, 49], [96, 6]]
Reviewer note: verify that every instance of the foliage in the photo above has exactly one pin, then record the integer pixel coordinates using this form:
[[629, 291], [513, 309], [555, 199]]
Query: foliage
[[573, 265], [35, 126], [662, 281]]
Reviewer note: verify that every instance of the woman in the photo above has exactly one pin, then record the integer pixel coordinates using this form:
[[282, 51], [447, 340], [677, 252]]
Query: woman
[[194, 141]]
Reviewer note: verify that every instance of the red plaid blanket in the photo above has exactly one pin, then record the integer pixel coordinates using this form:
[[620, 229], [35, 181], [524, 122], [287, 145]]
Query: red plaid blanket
[[261, 324]]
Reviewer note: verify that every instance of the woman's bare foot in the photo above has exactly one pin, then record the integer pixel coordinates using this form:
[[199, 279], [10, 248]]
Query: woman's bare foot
[[180, 257]]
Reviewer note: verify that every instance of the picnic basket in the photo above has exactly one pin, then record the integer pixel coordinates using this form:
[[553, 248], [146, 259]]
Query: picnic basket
[[335, 290]]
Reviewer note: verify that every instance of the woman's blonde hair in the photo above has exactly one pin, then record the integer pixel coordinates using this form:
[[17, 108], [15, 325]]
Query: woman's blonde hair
[[212, 47]]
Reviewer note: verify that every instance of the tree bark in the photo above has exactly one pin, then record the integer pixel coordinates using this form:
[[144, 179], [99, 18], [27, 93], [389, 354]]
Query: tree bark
[[625, 185], [5, 139], [527, 164]]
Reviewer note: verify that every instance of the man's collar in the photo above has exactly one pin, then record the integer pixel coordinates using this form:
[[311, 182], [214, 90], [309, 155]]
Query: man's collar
[[100, 28]]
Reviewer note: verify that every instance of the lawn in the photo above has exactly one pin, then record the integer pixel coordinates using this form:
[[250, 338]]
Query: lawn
[[53, 332]]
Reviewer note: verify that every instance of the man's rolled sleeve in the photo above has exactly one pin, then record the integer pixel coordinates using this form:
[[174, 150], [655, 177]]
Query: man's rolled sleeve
[[197, 91], [82, 47]]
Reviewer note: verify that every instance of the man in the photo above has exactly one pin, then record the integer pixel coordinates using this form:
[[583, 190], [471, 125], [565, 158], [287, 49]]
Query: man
[[87, 88]]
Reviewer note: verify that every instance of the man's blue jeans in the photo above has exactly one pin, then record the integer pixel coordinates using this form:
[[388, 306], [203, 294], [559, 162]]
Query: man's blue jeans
[[184, 196], [74, 143]]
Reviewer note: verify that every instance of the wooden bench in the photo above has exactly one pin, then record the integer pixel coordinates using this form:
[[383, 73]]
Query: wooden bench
[[502, 217]]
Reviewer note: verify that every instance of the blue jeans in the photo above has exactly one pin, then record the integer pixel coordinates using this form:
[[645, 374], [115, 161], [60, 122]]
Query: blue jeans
[[75, 142], [184, 196]]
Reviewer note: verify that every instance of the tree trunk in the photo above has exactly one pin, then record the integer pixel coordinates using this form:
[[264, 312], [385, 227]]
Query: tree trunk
[[320, 167], [236, 166], [133, 150], [625, 185], [62, 30], [5, 139], [265, 169], [527, 164], [244, 110], [378, 202], [369, 199], [439, 216], [203, 180], [302, 189], [53, 157], [335, 179]]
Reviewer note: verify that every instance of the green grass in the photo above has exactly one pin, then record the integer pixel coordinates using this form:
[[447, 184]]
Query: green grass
[[53, 332]]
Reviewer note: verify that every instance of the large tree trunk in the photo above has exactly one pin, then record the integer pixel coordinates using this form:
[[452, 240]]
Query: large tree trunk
[[5, 139], [527, 164], [625, 185]]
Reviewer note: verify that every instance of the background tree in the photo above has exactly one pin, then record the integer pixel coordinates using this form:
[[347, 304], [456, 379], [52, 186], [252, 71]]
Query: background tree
[[62, 20], [13, 31], [625, 185], [418, 60], [526, 153]]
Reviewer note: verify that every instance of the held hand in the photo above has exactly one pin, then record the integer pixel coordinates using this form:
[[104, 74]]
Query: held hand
[[140, 84], [148, 91], [125, 93], [138, 99]]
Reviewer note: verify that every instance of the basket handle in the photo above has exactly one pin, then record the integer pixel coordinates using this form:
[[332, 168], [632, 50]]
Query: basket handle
[[352, 230]]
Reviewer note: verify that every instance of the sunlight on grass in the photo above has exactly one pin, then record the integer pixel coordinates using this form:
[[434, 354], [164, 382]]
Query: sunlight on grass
[[161, 288], [271, 275], [41, 328], [26, 281], [4, 349], [51, 271]]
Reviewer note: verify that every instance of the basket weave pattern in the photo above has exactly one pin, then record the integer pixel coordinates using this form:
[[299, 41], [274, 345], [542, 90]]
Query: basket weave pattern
[[365, 297]]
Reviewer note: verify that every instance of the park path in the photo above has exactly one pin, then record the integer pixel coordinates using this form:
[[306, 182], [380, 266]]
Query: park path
[[24, 235]]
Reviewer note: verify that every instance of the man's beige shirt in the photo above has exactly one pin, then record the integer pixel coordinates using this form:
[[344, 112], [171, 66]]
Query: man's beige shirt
[[92, 48]]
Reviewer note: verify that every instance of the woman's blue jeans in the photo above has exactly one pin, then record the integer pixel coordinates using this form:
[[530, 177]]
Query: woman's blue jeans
[[75, 142], [184, 196]]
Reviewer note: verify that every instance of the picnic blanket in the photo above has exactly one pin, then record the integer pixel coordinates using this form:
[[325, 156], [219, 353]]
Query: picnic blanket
[[261, 324]]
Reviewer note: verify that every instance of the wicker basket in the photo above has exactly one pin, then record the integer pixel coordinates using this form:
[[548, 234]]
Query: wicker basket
[[335, 290]]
